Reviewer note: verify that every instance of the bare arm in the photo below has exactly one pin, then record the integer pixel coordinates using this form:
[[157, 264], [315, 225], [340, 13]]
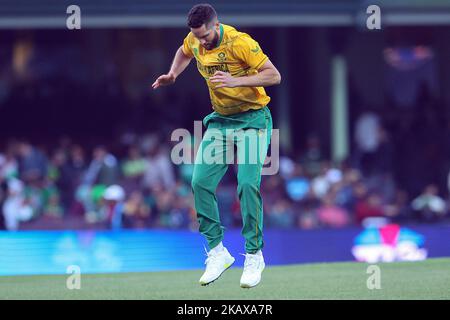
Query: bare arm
[[267, 75], [180, 62]]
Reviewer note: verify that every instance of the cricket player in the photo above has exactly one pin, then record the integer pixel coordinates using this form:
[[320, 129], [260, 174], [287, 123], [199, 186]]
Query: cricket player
[[235, 70]]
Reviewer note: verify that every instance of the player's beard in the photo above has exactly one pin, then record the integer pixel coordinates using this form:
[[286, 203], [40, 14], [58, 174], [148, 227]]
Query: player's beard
[[211, 45]]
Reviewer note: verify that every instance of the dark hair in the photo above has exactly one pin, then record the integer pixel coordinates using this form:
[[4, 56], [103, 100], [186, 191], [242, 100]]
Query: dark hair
[[201, 14]]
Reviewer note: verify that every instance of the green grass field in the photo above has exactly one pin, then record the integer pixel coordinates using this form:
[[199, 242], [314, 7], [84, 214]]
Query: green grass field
[[404, 280]]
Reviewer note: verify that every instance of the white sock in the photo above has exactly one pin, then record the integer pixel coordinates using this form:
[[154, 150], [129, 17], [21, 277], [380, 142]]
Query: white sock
[[217, 248]]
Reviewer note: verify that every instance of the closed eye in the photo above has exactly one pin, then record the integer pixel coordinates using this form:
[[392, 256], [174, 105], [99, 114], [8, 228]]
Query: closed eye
[[203, 37]]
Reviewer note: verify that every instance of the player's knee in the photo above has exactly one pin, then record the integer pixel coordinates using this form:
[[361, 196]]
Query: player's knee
[[194, 183], [199, 183], [246, 185]]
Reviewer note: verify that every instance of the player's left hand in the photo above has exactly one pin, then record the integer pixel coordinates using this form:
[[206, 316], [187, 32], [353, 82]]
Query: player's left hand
[[224, 79]]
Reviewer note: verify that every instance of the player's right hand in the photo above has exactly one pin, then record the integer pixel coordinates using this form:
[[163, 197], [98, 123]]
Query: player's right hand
[[164, 80]]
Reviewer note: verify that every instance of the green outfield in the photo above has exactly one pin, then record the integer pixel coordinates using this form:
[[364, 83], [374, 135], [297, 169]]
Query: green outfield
[[404, 280]]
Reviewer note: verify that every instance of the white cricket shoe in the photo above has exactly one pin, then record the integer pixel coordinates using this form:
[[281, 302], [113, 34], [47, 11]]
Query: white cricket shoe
[[253, 267], [216, 264]]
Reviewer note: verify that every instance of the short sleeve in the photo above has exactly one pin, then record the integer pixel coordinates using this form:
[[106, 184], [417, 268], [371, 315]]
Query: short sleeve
[[187, 47], [248, 50]]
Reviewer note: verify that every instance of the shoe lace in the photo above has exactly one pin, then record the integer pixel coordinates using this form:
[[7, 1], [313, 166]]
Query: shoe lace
[[211, 260], [251, 261]]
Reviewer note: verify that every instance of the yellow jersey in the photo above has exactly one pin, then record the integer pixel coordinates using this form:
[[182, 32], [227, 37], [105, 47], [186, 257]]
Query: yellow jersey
[[238, 54]]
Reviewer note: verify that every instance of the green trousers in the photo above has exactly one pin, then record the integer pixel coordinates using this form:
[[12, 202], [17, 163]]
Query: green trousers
[[250, 132]]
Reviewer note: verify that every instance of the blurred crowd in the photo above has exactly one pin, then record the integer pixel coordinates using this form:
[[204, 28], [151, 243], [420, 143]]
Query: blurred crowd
[[136, 185], [101, 189], [56, 83]]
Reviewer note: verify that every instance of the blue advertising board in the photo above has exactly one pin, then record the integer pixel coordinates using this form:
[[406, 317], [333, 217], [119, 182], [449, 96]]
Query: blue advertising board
[[51, 252]]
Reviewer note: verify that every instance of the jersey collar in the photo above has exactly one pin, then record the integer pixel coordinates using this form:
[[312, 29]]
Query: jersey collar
[[221, 36]]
